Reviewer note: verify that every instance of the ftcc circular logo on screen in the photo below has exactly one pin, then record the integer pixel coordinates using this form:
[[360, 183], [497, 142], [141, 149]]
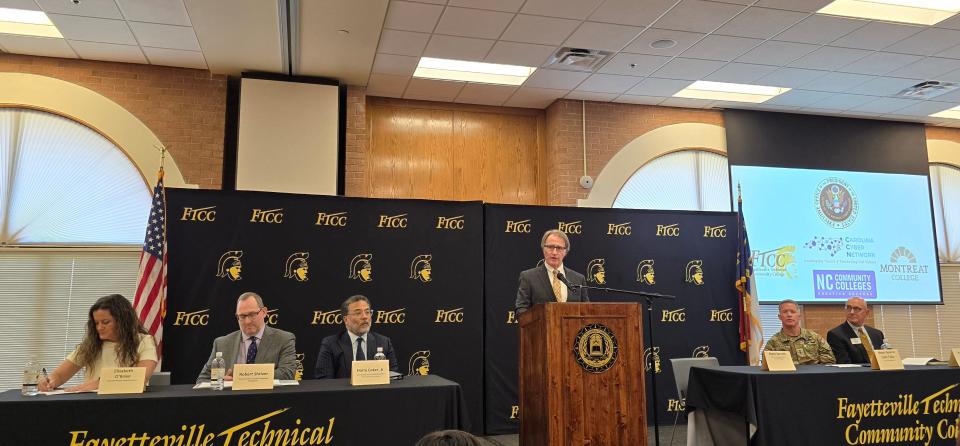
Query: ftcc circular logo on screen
[[837, 203]]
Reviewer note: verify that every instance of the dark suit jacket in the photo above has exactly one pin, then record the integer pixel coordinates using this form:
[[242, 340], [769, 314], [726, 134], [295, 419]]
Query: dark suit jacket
[[845, 351], [336, 354], [277, 347], [535, 288]]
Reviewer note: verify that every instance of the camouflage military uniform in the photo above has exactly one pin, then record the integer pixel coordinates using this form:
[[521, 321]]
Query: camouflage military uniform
[[807, 348]]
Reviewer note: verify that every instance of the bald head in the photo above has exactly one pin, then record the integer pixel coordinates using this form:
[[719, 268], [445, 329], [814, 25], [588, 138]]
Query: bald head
[[857, 311]]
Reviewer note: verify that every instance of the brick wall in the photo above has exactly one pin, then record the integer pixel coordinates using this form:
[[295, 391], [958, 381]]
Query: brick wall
[[358, 142], [183, 107]]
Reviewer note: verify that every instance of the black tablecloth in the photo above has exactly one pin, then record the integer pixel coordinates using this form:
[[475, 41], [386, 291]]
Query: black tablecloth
[[315, 412], [819, 405]]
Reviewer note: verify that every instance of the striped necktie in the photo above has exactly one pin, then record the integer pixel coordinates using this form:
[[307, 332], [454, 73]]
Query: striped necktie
[[557, 291]]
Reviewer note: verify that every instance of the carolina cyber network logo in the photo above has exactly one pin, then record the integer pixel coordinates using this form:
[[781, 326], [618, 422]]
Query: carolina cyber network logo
[[419, 363], [837, 204], [361, 267], [208, 213], [274, 216], [296, 266], [192, 318], [453, 223], [596, 273], [420, 268], [694, 272], [338, 219], [645, 272], [230, 266]]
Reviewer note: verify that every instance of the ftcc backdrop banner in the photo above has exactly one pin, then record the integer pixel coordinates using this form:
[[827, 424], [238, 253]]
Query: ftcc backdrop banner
[[419, 262], [691, 255]]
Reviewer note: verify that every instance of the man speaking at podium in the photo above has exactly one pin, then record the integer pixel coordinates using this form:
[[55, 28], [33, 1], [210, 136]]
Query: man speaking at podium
[[548, 282]]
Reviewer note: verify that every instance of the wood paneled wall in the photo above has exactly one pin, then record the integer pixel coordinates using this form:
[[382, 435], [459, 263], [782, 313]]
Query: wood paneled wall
[[448, 151]]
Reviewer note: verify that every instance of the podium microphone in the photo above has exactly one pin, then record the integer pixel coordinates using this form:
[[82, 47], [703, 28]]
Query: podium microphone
[[563, 279]]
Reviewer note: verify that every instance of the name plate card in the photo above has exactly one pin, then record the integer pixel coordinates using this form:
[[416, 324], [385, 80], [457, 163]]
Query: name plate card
[[886, 360], [955, 357], [365, 373], [253, 376], [116, 380], [778, 362]]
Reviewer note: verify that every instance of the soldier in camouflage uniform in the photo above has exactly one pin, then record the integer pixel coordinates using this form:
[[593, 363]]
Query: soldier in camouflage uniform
[[805, 346]]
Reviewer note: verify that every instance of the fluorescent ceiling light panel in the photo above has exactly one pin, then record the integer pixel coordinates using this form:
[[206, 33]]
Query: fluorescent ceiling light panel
[[27, 23], [722, 91], [950, 113], [921, 12], [466, 71]]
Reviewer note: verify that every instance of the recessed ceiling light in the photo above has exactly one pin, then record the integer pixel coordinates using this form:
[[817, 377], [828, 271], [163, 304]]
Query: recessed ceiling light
[[663, 43], [462, 70], [950, 113], [26, 22], [922, 12], [723, 91]]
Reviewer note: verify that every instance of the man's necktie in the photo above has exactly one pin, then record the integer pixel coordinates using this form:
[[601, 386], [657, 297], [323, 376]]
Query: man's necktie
[[865, 340], [252, 351], [360, 355], [556, 287]]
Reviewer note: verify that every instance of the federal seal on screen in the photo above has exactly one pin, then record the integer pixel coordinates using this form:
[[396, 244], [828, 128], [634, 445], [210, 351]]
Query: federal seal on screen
[[595, 348], [837, 203]]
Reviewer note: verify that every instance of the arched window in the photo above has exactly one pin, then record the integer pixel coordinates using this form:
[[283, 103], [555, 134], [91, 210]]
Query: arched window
[[692, 179], [945, 187]]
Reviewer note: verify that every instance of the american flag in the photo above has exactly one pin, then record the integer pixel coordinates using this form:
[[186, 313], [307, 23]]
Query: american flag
[[151, 299], [751, 331]]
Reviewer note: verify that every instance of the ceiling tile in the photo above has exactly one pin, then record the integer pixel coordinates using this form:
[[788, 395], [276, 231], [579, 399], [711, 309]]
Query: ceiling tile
[[473, 23], [30, 5], [642, 64], [543, 30], [404, 43], [928, 68], [556, 79], [953, 96], [435, 2], [496, 5], [608, 83], [790, 77], [639, 100], [717, 47], [432, 90], [165, 36], [460, 48], [829, 58], [760, 23], [799, 98], [485, 94], [568, 9], [409, 16], [884, 105], [175, 58], [925, 108], [952, 23], [883, 86], [795, 5], [602, 36], [837, 82], [741, 73], [37, 46], [93, 29], [876, 35], [534, 97], [526, 54], [687, 102], [387, 85], [658, 87], [106, 9], [697, 16], [821, 29], [688, 69], [108, 52], [880, 63], [776, 53], [952, 52], [590, 96], [395, 65], [169, 12], [631, 12], [927, 42], [683, 41]]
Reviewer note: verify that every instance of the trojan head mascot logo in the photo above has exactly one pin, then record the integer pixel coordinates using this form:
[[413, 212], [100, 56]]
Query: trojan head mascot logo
[[229, 265], [361, 268], [695, 272], [651, 359], [420, 268], [298, 374], [702, 351], [296, 267], [645, 273], [419, 363], [595, 272]]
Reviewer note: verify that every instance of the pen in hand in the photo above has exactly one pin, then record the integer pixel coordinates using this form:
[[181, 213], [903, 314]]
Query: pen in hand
[[45, 376]]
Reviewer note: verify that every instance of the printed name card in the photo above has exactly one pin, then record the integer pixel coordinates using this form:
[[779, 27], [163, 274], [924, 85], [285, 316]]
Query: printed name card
[[253, 376], [778, 362], [955, 357], [886, 360], [365, 373], [115, 380]]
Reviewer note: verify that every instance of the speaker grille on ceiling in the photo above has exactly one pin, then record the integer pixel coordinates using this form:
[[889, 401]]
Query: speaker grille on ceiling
[[927, 89]]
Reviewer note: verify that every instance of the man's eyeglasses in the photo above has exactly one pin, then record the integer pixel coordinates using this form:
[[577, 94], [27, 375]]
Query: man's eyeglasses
[[854, 309], [359, 313], [244, 316], [554, 248]]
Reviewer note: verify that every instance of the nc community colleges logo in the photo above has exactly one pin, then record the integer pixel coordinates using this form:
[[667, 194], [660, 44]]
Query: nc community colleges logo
[[229, 265], [837, 203], [645, 272], [420, 268], [595, 347], [596, 273], [361, 267], [296, 267]]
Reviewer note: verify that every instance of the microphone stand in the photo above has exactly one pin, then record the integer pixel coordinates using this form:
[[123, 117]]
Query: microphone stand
[[648, 297]]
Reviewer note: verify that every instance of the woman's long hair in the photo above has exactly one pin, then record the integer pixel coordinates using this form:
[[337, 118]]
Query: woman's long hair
[[128, 326]]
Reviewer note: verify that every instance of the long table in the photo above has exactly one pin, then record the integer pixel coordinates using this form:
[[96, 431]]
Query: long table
[[315, 412], [820, 405]]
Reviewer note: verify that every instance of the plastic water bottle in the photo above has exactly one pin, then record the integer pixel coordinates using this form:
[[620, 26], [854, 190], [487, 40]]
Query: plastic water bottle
[[31, 374], [217, 369], [885, 345], [379, 356]]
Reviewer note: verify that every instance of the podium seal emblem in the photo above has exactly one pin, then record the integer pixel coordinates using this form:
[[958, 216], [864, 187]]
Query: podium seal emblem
[[595, 348]]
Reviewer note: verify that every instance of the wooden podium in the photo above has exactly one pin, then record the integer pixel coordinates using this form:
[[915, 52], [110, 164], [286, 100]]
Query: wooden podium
[[581, 375]]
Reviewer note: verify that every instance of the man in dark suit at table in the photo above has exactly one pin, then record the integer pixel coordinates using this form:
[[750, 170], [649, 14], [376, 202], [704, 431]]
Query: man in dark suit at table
[[356, 342], [254, 342], [852, 340], [545, 283]]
